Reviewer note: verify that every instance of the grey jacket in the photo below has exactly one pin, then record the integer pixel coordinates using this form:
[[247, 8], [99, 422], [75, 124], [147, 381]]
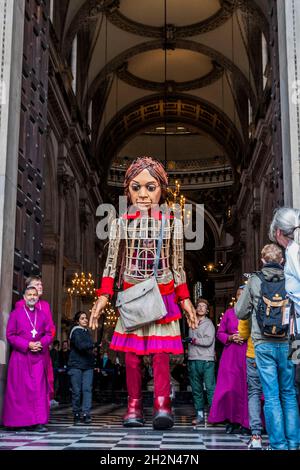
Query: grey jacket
[[247, 304], [204, 347]]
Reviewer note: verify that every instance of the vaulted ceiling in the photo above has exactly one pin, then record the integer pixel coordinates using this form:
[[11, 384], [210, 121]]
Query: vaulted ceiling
[[156, 70]]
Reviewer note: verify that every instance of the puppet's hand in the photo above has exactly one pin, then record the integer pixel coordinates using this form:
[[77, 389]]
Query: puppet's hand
[[97, 311], [190, 311]]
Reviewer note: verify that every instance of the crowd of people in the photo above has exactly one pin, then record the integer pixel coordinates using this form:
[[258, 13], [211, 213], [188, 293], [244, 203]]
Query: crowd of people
[[255, 388], [42, 375]]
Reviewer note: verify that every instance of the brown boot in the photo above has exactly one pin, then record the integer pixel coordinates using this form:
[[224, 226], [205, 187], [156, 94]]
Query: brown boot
[[134, 415], [162, 416]]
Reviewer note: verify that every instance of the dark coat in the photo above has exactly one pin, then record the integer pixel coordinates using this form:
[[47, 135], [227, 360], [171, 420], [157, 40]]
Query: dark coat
[[81, 354]]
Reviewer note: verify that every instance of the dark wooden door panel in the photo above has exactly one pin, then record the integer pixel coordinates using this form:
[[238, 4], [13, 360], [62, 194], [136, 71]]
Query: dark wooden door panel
[[32, 143]]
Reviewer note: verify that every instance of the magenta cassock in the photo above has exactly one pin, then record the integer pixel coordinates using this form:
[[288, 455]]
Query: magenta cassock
[[230, 402], [26, 401]]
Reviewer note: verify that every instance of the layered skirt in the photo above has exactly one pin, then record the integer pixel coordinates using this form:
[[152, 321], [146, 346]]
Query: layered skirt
[[160, 336]]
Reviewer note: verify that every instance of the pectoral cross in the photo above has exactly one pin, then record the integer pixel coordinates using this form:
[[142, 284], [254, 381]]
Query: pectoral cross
[[33, 332]]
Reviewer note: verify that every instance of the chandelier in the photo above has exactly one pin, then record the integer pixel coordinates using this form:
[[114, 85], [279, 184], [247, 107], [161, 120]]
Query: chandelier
[[176, 201], [174, 196], [82, 285], [111, 316], [213, 268]]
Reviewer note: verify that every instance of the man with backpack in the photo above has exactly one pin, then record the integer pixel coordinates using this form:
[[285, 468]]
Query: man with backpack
[[264, 301]]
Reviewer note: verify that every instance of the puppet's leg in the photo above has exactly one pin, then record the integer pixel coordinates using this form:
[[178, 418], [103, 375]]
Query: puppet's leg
[[134, 415], [162, 418]]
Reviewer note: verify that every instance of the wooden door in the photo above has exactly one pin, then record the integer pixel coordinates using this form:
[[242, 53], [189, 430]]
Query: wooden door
[[32, 144]]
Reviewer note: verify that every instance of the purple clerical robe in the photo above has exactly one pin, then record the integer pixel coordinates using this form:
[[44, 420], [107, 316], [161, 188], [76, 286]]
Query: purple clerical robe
[[230, 401], [43, 305], [26, 401]]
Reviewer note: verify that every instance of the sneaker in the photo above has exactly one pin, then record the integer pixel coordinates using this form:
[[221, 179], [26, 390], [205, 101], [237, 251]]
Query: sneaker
[[255, 442], [87, 419], [22, 429], [229, 429], [198, 420], [54, 404], [76, 418]]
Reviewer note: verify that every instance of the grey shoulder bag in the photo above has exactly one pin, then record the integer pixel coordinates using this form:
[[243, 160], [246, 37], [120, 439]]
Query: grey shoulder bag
[[142, 303]]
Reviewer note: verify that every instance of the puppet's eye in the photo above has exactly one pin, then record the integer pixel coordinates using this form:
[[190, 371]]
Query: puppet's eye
[[151, 187]]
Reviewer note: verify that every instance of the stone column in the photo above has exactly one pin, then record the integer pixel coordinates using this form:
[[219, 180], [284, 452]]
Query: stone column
[[11, 54], [66, 181], [288, 13]]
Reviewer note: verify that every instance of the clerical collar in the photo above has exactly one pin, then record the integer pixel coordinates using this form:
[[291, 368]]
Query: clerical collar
[[31, 309]]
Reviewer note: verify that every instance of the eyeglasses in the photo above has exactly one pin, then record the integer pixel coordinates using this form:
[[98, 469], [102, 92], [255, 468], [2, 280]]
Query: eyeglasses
[[150, 187]]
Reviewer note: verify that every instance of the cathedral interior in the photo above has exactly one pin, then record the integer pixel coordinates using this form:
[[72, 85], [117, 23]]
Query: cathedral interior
[[105, 81], [208, 87]]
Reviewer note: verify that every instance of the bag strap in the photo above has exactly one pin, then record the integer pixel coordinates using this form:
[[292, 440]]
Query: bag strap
[[293, 330], [260, 276], [159, 245]]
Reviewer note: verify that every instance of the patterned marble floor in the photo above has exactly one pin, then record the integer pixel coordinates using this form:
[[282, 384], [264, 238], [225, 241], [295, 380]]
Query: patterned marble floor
[[106, 433]]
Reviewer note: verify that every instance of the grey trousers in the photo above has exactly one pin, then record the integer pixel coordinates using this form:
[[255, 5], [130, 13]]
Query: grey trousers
[[254, 397]]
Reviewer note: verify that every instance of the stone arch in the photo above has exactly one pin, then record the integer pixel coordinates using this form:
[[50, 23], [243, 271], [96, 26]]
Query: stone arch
[[180, 107], [119, 61], [89, 11]]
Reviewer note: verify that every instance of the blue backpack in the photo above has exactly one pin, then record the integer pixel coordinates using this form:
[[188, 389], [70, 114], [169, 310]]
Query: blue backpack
[[271, 307]]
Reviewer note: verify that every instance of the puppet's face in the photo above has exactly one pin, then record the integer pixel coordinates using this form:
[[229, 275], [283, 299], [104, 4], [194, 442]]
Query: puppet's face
[[144, 191]]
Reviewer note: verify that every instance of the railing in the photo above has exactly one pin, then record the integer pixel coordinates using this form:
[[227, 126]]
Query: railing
[[191, 175]]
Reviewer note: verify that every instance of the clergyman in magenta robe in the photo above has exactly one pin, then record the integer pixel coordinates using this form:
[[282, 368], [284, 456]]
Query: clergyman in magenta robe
[[44, 305], [230, 401], [29, 333]]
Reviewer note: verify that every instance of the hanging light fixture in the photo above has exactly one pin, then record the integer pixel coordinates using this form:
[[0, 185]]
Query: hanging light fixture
[[82, 285], [174, 197], [111, 316]]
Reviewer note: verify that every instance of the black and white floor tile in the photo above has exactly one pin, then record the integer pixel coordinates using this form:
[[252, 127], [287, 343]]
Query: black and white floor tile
[[106, 433]]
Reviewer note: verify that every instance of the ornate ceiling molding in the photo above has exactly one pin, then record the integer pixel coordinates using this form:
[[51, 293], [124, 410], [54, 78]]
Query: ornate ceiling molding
[[91, 9], [188, 166], [186, 109], [190, 179], [251, 10], [89, 12], [144, 30], [119, 61], [171, 86]]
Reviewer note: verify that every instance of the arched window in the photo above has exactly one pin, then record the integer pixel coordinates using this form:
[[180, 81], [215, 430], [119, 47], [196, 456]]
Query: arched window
[[264, 53], [74, 63]]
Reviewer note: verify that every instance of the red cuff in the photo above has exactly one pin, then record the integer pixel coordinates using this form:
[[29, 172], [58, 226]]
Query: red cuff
[[164, 289], [182, 292], [107, 287]]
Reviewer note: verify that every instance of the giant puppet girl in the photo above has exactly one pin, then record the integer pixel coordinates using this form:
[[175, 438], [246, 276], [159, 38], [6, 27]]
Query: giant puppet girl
[[146, 186]]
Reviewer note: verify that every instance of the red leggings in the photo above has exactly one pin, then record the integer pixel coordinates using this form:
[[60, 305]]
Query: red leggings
[[161, 374]]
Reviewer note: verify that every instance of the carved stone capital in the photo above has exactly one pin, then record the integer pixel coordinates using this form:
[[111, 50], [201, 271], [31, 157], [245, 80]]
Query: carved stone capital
[[49, 255], [103, 6], [65, 182], [84, 214]]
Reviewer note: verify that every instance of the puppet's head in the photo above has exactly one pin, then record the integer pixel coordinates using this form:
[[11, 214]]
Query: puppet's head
[[146, 182]]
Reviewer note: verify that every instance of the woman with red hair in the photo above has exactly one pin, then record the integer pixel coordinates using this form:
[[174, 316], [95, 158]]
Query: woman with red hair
[[146, 186]]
